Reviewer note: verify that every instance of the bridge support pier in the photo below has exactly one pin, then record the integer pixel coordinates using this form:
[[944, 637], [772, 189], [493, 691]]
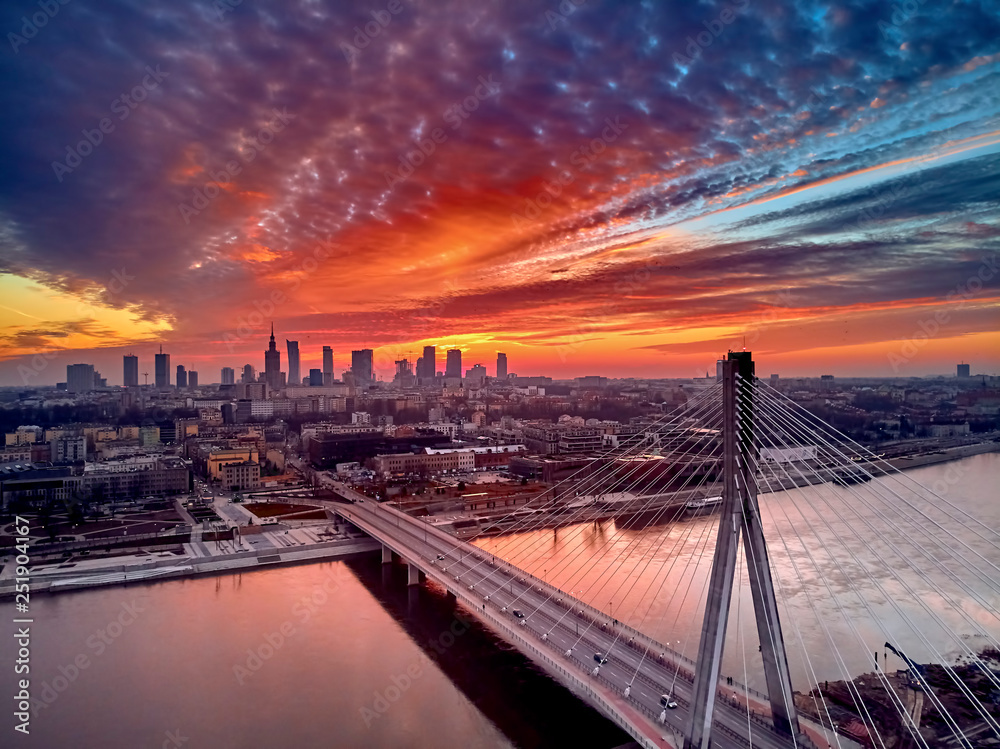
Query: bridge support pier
[[412, 574], [740, 516], [386, 554]]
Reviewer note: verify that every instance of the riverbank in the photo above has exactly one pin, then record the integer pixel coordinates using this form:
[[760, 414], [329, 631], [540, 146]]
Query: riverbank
[[300, 545], [133, 569], [638, 512], [883, 692], [943, 456]]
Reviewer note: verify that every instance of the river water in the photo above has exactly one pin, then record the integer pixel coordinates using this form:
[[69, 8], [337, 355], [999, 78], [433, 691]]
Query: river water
[[854, 567], [343, 654], [339, 654]]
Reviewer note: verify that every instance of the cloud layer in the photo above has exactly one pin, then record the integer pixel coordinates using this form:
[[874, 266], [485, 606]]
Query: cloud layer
[[571, 183]]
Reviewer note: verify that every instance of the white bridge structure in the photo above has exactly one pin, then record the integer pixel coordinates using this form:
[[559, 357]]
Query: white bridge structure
[[714, 445]]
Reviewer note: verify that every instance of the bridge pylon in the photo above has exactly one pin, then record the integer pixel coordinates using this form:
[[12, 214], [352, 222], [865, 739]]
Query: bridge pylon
[[740, 516]]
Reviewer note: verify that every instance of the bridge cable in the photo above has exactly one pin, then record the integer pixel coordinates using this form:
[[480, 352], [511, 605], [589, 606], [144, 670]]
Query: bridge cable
[[934, 616], [852, 688], [887, 467], [703, 401], [920, 548], [948, 719], [523, 541]]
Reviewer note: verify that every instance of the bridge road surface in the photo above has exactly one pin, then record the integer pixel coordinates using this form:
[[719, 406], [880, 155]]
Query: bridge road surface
[[509, 587]]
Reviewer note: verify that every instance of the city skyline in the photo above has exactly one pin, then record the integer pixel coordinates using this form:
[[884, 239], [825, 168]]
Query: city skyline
[[638, 207], [228, 373], [47, 366]]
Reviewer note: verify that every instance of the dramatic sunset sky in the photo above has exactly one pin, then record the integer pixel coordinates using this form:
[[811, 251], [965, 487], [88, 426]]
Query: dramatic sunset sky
[[821, 179]]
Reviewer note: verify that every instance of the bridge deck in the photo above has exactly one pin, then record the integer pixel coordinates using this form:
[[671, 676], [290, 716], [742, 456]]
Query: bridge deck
[[471, 574]]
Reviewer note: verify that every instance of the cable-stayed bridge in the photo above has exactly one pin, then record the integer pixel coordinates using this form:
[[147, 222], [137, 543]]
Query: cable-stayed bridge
[[849, 533]]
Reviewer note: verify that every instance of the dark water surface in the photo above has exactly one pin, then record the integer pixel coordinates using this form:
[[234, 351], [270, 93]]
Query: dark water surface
[[338, 654]]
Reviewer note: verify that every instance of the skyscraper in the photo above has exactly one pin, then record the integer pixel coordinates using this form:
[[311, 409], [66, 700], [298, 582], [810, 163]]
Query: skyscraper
[[272, 364], [182, 378], [131, 371], [430, 363], [79, 378], [453, 363], [162, 369], [476, 375], [404, 374], [964, 370], [294, 377], [228, 376], [249, 375], [363, 366], [192, 379], [327, 365], [501, 366], [315, 377]]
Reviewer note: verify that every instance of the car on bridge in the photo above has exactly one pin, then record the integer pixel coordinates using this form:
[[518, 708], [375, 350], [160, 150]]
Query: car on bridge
[[518, 613], [667, 700], [600, 658]]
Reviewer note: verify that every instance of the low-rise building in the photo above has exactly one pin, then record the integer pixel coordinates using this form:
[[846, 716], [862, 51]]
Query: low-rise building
[[242, 475], [137, 477], [134, 478], [329, 449], [496, 456], [69, 449], [948, 430], [431, 462], [16, 454], [541, 439], [580, 440], [212, 460], [25, 435]]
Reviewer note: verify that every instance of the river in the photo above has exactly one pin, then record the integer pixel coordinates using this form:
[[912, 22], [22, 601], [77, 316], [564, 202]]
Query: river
[[845, 585], [343, 654], [339, 654]]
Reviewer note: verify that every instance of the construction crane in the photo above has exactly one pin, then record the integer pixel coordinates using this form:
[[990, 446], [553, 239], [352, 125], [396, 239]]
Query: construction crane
[[916, 670]]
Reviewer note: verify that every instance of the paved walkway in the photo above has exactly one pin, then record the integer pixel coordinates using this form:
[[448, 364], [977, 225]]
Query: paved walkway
[[276, 544]]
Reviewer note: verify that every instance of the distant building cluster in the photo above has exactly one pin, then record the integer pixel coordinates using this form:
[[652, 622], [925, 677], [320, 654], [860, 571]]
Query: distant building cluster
[[150, 439], [83, 378]]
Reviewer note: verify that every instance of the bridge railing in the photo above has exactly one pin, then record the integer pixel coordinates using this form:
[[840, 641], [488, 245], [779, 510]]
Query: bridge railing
[[657, 650], [553, 659], [752, 715], [550, 661]]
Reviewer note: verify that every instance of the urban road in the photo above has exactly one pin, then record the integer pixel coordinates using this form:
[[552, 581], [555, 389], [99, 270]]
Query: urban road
[[567, 625]]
